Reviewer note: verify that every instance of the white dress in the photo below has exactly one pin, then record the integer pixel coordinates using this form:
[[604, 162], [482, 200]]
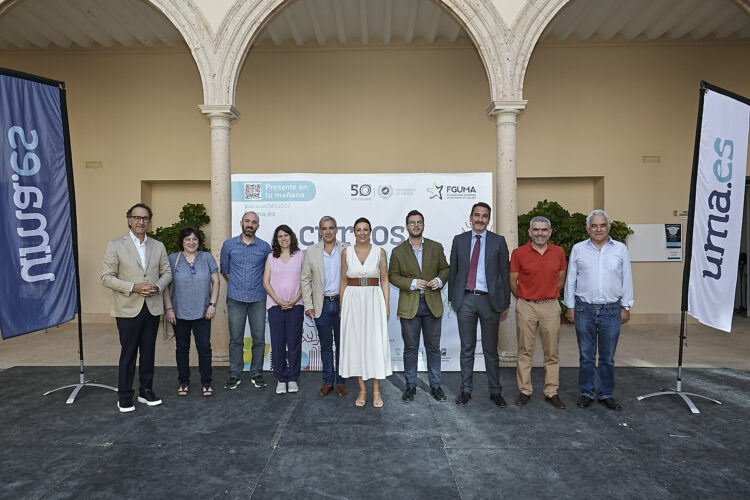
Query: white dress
[[365, 350]]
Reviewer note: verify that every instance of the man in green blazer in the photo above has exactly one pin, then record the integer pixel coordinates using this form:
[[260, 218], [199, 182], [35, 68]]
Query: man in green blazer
[[419, 270], [136, 269]]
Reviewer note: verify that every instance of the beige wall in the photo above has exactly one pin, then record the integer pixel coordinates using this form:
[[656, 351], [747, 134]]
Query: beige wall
[[135, 111], [593, 111]]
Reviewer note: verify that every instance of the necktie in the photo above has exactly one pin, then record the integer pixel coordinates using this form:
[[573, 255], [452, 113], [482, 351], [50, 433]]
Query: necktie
[[471, 280]]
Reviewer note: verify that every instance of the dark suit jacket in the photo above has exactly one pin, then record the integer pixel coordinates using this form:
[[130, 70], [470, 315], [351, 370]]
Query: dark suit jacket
[[404, 268], [496, 267]]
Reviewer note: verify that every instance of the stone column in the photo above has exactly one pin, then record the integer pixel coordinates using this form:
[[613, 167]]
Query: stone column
[[221, 210], [506, 209]]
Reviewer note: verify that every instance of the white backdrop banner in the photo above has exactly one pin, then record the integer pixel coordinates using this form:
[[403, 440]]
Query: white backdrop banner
[[719, 199], [300, 200]]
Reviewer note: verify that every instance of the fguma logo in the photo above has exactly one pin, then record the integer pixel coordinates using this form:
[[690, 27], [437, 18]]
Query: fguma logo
[[26, 198]]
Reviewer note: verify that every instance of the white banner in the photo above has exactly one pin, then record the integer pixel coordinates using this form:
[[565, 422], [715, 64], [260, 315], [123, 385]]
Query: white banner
[[719, 198], [300, 200]]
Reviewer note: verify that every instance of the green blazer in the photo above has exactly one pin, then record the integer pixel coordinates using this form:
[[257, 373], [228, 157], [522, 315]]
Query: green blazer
[[404, 268]]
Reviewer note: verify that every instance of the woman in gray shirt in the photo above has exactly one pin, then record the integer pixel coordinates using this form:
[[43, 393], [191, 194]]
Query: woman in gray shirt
[[191, 305]]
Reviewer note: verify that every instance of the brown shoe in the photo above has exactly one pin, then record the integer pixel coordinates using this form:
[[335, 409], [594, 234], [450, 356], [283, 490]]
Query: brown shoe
[[555, 401], [325, 390], [340, 390], [522, 399]]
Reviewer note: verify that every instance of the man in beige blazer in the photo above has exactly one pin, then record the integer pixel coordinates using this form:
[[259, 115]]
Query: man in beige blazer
[[321, 276], [419, 270], [136, 269]]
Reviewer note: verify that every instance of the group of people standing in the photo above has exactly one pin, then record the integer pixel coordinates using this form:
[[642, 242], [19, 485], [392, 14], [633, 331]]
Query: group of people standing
[[345, 290]]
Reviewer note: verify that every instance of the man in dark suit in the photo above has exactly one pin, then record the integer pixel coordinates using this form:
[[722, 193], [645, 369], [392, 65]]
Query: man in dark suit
[[479, 289], [419, 269], [136, 269]]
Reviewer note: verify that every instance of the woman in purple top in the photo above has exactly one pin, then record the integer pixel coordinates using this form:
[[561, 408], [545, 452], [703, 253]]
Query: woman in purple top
[[190, 305], [281, 280]]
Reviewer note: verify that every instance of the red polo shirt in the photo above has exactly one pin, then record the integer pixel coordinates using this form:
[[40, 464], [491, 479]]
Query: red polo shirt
[[538, 274]]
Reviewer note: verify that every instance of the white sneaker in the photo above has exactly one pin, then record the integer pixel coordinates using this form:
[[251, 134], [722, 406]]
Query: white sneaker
[[125, 409], [281, 388], [293, 387]]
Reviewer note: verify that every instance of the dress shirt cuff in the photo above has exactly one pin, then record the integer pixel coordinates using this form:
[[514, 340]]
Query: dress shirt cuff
[[439, 281], [413, 284]]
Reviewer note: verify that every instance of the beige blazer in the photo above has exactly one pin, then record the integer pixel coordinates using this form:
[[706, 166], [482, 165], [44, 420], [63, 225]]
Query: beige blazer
[[122, 268], [312, 276]]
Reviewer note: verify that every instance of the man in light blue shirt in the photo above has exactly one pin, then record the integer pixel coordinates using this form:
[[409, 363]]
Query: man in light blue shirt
[[321, 277], [243, 259], [598, 295]]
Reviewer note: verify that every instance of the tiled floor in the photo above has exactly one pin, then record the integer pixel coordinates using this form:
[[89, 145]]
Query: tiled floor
[[640, 345]]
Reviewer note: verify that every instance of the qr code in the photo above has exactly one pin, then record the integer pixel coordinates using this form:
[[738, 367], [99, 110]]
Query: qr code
[[252, 191]]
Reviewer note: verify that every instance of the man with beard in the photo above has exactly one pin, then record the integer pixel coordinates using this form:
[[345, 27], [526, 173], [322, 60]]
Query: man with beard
[[136, 269], [418, 269], [321, 279], [479, 290], [537, 272], [243, 260]]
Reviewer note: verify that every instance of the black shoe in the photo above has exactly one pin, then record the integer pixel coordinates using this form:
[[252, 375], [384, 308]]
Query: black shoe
[[522, 399], [555, 401], [258, 381], [499, 400], [409, 394], [147, 396], [438, 394], [611, 404], [583, 401], [232, 383], [463, 398], [125, 407]]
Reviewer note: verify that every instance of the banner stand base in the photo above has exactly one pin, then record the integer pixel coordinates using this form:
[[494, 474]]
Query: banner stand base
[[677, 392], [678, 388], [80, 385]]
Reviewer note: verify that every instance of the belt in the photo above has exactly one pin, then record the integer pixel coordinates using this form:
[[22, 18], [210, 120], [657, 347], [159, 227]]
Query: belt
[[541, 301], [363, 281], [476, 292], [332, 298]]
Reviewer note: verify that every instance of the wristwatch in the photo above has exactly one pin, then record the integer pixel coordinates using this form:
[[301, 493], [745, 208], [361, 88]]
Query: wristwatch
[[212, 304], [627, 308]]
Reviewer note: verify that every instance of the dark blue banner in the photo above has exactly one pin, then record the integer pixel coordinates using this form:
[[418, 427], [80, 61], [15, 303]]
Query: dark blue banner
[[37, 267]]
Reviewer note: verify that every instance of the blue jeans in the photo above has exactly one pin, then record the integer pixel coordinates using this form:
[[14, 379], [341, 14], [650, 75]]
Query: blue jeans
[[430, 326], [286, 341], [255, 314], [597, 325], [329, 331], [202, 332]]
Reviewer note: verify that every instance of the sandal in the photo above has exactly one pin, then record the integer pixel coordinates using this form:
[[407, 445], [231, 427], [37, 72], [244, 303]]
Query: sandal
[[207, 391], [183, 390], [377, 400], [361, 398]]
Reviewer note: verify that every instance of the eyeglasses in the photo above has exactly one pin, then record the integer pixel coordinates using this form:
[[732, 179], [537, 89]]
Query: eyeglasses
[[415, 223], [138, 218]]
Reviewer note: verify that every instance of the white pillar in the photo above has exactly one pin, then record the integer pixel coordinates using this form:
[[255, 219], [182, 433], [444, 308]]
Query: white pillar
[[220, 116], [506, 208]]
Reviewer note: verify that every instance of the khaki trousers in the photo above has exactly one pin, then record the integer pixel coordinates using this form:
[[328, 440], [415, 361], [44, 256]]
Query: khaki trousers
[[546, 317]]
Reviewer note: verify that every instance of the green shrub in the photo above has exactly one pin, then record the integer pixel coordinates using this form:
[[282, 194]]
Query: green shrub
[[192, 215], [567, 229]]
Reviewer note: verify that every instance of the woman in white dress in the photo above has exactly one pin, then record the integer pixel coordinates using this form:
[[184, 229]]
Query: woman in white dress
[[365, 352]]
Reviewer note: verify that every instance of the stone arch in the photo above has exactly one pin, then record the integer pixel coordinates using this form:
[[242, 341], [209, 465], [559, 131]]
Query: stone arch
[[244, 21], [189, 21], [527, 28]]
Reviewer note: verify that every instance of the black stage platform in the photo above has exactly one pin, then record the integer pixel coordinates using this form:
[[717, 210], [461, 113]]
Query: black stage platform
[[253, 443]]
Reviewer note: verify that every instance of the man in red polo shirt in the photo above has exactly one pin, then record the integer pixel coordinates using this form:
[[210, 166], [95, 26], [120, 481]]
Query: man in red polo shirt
[[537, 272]]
